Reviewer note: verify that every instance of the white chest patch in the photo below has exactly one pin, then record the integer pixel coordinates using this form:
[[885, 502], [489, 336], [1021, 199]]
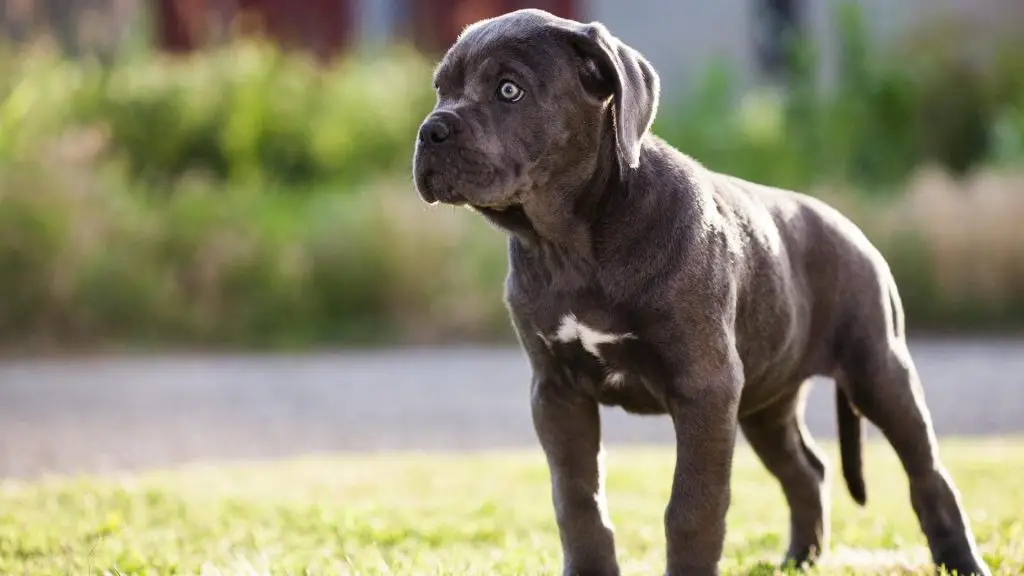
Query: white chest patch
[[571, 329]]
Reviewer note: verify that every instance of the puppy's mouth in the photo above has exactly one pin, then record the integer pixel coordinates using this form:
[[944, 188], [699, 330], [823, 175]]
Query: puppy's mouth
[[453, 181], [434, 190]]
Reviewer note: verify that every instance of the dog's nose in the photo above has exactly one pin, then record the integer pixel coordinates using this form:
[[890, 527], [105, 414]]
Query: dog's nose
[[434, 131]]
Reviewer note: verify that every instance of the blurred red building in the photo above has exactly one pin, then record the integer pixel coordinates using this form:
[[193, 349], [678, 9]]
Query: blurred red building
[[321, 26], [327, 27]]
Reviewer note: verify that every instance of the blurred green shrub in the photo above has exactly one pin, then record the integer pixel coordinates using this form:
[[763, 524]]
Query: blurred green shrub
[[241, 113], [88, 259]]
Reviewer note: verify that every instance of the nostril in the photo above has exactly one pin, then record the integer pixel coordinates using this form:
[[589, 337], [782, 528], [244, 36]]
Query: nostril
[[434, 132]]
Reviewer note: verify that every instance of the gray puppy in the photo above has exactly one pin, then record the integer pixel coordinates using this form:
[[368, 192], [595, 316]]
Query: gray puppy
[[638, 278]]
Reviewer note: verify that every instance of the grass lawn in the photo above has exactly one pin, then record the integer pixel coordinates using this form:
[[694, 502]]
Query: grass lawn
[[462, 514]]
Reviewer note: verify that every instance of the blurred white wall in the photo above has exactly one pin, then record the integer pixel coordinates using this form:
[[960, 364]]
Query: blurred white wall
[[681, 37]]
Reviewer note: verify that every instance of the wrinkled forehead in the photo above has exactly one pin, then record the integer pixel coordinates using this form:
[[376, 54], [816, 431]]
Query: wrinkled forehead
[[491, 48]]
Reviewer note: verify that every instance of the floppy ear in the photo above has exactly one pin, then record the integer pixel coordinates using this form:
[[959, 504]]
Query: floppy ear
[[633, 83]]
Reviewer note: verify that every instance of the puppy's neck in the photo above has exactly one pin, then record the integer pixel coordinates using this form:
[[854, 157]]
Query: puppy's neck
[[664, 204], [586, 220], [558, 217], [566, 217]]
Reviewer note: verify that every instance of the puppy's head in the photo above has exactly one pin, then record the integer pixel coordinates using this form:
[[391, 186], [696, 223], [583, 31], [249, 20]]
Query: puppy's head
[[525, 103]]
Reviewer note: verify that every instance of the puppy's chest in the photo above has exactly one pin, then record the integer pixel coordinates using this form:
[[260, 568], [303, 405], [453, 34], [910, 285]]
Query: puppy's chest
[[600, 350]]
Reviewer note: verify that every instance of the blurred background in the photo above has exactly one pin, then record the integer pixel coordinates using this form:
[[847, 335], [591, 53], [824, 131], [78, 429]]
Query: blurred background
[[210, 246]]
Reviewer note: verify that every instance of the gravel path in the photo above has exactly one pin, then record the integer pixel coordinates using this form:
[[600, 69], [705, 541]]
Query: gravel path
[[108, 414]]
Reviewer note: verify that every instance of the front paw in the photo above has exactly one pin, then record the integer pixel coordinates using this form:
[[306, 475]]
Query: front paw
[[962, 565], [800, 560]]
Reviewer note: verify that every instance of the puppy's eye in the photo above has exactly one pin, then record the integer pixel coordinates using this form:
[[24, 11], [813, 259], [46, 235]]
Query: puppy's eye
[[510, 92]]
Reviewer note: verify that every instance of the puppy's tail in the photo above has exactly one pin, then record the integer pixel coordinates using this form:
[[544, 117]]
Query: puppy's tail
[[851, 439]]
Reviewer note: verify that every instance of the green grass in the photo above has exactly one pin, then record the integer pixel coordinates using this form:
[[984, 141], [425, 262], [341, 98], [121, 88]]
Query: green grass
[[461, 514]]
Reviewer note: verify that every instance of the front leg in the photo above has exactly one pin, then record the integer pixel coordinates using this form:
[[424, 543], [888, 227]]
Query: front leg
[[568, 425], [703, 406]]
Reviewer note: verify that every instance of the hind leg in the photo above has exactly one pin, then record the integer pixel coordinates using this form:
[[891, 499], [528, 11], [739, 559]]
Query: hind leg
[[778, 436], [882, 382]]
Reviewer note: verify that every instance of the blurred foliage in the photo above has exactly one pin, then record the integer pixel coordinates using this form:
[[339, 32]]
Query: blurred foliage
[[242, 113], [949, 93], [249, 112], [88, 259], [249, 197]]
